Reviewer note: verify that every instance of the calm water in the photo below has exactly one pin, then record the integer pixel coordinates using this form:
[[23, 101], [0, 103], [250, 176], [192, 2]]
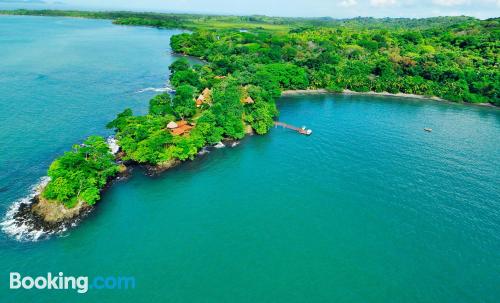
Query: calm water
[[370, 208]]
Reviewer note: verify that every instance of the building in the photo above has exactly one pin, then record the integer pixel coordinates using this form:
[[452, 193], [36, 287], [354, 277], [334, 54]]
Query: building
[[179, 128], [248, 100], [204, 97]]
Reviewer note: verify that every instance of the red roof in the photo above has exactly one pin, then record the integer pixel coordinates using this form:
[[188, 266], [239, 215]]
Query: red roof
[[182, 128], [181, 123]]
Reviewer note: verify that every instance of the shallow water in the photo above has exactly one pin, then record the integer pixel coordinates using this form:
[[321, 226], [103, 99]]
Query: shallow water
[[370, 208]]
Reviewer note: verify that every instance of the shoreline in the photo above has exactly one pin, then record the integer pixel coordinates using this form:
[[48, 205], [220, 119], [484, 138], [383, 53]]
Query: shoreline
[[348, 92], [34, 218]]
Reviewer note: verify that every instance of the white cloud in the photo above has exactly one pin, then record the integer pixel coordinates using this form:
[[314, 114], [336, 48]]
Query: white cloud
[[484, 4], [450, 2], [350, 3], [379, 3]]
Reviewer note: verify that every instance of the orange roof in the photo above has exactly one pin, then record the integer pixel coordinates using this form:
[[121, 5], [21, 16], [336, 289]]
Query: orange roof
[[206, 92], [200, 100], [248, 100], [181, 123], [204, 97], [181, 129]]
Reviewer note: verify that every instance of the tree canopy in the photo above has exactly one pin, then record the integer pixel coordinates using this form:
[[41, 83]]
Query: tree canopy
[[81, 173]]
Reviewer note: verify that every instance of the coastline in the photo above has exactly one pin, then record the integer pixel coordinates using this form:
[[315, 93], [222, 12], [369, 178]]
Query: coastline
[[347, 92], [52, 216], [34, 218]]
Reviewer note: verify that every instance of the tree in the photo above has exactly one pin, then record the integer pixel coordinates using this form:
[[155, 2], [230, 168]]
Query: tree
[[80, 174], [186, 77], [181, 64], [183, 103], [161, 105], [228, 109], [207, 126]]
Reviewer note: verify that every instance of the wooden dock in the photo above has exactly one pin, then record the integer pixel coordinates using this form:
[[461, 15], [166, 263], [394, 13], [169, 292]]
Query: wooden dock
[[300, 130]]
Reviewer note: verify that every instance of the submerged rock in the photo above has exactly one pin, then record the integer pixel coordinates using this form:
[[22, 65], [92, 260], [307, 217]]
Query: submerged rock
[[203, 151], [219, 145], [161, 167]]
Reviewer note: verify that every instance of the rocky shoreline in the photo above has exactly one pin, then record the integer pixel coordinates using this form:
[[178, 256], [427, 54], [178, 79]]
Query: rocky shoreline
[[36, 218], [31, 216]]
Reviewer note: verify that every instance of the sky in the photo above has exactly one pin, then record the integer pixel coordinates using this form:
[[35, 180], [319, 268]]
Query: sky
[[294, 8]]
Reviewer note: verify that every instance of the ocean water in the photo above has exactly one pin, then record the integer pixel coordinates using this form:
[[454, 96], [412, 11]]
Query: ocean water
[[63, 79], [370, 208]]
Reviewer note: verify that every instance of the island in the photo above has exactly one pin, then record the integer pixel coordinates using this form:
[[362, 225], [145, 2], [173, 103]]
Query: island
[[249, 63]]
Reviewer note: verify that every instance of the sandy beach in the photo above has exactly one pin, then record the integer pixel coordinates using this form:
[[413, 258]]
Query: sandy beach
[[372, 93]]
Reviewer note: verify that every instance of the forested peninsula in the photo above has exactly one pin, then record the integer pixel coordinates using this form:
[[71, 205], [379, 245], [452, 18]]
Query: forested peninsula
[[250, 61]]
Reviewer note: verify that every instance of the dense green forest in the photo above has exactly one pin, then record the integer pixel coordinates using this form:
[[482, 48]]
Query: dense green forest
[[80, 174], [251, 60], [457, 62], [455, 58]]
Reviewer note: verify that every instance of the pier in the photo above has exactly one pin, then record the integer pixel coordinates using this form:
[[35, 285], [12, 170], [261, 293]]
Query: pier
[[301, 130]]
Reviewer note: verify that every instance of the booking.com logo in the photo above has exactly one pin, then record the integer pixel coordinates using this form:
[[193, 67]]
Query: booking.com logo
[[81, 284]]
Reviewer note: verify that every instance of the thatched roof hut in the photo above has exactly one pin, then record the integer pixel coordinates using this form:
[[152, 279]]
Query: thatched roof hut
[[200, 100], [172, 125], [204, 97], [206, 92]]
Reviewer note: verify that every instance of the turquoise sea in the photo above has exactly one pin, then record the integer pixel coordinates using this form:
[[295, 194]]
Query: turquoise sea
[[370, 208]]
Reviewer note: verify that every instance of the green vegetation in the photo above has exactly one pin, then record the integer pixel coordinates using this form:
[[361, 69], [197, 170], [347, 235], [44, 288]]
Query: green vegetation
[[80, 174], [147, 139], [455, 58], [143, 138], [251, 60], [454, 61], [162, 20]]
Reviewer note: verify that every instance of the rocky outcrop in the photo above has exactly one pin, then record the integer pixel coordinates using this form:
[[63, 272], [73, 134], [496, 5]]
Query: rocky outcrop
[[39, 218], [161, 167], [54, 212]]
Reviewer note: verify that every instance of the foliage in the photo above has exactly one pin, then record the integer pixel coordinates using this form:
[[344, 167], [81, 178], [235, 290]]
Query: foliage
[[256, 58], [452, 58], [80, 174], [183, 103], [143, 138], [161, 105], [228, 109]]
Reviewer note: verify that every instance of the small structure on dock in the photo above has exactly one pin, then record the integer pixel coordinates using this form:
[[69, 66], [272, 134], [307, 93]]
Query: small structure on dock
[[302, 130]]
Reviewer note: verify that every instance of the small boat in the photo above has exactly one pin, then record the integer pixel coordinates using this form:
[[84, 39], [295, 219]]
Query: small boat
[[428, 129]]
